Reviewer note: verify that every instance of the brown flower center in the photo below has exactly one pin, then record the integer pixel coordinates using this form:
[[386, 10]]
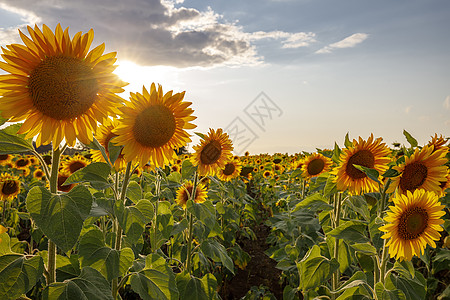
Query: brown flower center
[[61, 187], [413, 223], [22, 162], [229, 169], [10, 187], [4, 157], [154, 126], [76, 165], [363, 158], [315, 166], [211, 153], [413, 176], [63, 87], [39, 174]]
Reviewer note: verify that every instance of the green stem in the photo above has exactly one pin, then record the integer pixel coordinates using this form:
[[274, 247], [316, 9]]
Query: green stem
[[53, 180], [43, 164], [383, 262], [191, 227], [337, 216], [155, 221]]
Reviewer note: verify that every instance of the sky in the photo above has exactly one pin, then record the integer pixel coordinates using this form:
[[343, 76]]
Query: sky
[[277, 75]]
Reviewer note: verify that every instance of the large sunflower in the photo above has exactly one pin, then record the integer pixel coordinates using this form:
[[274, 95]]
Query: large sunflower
[[184, 193], [9, 186], [414, 222], [371, 154], [423, 170], [213, 152], [57, 87], [231, 170], [72, 164], [315, 164], [104, 134], [152, 125]]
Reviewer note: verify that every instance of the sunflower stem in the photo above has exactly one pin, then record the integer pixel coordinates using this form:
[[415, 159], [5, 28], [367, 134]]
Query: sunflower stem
[[53, 180], [191, 225], [43, 164], [383, 262], [337, 216], [155, 221]]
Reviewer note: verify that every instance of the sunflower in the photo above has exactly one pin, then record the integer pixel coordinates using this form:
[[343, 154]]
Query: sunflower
[[104, 134], [423, 170], [175, 168], [72, 164], [9, 186], [57, 87], [231, 170], [39, 174], [184, 193], [267, 174], [438, 143], [22, 163], [315, 164], [213, 152], [413, 223], [444, 185], [371, 154], [152, 125], [62, 177], [5, 159], [297, 164]]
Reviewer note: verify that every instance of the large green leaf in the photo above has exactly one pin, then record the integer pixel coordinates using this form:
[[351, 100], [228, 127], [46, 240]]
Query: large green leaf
[[60, 217], [155, 281], [386, 294], [216, 251], [132, 219], [67, 267], [193, 288], [314, 202], [90, 285], [350, 231], [93, 252], [204, 212], [314, 269], [134, 191], [10, 143], [18, 275], [187, 169], [96, 174], [414, 288]]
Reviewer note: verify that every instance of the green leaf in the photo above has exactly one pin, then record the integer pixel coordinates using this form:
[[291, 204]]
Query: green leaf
[[385, 294], [94, 253], [336, 153], [350, 231], [155, 281], [187, 169], [174, 177], [5, 247], [134, 191], [95, 145], [193, 288], [60, 217], [113, 151], [412, 141], [66, 267], [18, 275], [405, 268], [89, 285], [314, 202], [365, 248], [358, 279], [371, 173], [2, 120], [204, 212], [347, 142], [96, 174], [213, 249], [330, 187], [10, 144], [359, 204], [314, 269], [133, 218], [200, 135], [413, 288]]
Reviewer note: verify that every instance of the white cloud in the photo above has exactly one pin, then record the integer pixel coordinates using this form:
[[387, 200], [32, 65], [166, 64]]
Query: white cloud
[[446, 103], [348, 42], [155, 32]]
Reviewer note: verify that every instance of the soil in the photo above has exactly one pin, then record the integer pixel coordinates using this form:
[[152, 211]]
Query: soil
[[260, 270]]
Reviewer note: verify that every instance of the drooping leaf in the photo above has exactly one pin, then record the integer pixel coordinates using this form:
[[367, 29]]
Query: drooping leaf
[[217, 252], [133, 218], [11, 144], [60, 217], [388, 294], [18, 275], [350, 231], [89, 285], [193, 288], [314, 202], [95, 173]]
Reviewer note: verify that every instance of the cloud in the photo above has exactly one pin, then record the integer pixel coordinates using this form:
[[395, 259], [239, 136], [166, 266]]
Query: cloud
[[446, 103], [155, 32], [348, 42]]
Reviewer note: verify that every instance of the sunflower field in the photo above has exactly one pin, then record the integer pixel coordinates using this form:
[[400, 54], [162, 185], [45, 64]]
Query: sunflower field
[[128, 213]]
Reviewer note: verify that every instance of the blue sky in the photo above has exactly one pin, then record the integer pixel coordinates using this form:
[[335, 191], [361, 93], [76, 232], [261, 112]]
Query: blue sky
[[328, 67]]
